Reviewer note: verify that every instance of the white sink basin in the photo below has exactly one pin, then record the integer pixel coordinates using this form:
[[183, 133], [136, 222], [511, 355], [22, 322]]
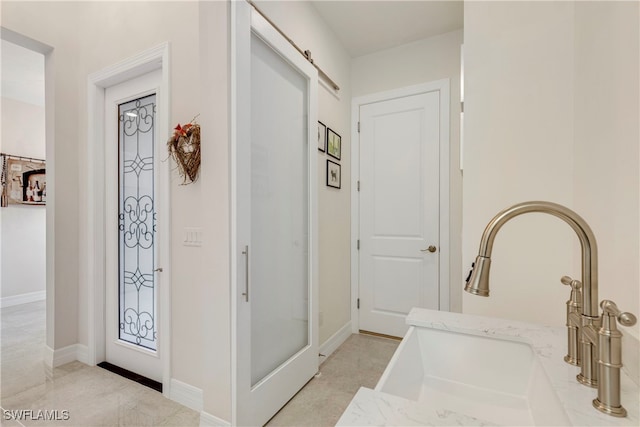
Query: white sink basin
[[498, 381]]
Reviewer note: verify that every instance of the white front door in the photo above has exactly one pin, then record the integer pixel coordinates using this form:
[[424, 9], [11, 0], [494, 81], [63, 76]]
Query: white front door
[[132, 156], [275, 256], [399, 210]]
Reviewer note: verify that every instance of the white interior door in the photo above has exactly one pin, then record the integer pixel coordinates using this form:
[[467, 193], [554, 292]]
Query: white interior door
[[399, 210], [276, 337], [132, 157]]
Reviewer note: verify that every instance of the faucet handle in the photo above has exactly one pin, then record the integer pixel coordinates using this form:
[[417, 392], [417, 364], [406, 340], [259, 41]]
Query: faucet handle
[[575, 284], [610, 309]]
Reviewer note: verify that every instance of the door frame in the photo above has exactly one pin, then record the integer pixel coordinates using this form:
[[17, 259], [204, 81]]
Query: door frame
[[151, 59], [443, 87]]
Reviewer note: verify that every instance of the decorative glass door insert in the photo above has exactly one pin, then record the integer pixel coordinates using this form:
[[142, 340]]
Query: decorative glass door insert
[[137, 223]]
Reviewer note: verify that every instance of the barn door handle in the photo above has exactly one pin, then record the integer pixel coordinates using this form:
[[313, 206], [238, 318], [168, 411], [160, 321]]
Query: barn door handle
[[246, 274], [431, 249]]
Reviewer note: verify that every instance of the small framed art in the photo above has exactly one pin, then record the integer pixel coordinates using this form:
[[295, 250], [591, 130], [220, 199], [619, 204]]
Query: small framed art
[[334, 144], [322, 136], [333, 174], [24, 180]]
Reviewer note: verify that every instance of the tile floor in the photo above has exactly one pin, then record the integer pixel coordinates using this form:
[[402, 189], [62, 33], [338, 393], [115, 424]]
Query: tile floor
[[359, 362], [96, 397]]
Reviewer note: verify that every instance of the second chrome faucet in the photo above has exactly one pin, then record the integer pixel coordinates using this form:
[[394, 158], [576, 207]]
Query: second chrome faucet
[[594, 343]]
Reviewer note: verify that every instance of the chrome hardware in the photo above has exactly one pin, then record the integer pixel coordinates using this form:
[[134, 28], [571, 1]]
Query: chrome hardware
[[159, 270], [610, 359], [573, 320], [594, 341], [246, 274], [431, 249], [613, 313]]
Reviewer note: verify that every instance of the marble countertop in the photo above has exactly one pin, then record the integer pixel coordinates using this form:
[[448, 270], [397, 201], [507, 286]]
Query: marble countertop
[[371, 407]]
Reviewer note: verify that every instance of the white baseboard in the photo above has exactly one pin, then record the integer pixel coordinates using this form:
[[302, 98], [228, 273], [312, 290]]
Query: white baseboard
[[186, 395], [336, 340], [22, 299], [64, 355], [208, 420]]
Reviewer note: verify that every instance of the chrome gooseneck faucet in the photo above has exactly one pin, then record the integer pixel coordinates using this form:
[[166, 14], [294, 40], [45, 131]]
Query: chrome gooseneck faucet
[[593, 344]]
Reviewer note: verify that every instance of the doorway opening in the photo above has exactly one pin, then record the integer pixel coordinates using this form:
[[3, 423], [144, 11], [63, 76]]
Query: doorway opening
[[24, 192], [26, 215]]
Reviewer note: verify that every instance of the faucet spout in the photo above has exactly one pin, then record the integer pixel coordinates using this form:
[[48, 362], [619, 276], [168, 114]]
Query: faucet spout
[[478, 281], [594, 341]]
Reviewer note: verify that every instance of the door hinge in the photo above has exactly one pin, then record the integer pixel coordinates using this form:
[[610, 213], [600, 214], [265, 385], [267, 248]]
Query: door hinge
[[462, 107], [358, 185], [358, 304], [358, 127], [358, 244]]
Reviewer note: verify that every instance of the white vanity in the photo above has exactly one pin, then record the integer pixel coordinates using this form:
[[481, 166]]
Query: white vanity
[[459, 369]]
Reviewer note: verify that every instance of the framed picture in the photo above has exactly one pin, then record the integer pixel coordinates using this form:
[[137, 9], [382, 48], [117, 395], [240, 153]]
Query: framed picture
[[334, 144], [333, 174], [322, 136], [26, 181]]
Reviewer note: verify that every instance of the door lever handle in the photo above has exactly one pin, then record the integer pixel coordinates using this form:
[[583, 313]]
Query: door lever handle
[[431, 249]]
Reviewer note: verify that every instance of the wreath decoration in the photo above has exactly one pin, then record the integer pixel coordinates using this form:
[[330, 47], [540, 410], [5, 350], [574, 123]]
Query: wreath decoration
[[184, 148]]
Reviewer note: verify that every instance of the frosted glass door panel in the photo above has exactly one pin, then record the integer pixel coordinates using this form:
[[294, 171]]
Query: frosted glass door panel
[[279, 211]]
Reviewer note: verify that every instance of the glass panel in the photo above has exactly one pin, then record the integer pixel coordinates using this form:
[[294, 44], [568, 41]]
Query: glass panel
[[137, 222], [279, 211]]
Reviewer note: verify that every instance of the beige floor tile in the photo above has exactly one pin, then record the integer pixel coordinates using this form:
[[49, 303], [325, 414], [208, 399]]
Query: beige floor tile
[[9, 423], [359, 362], [184, 417], [96, 397]]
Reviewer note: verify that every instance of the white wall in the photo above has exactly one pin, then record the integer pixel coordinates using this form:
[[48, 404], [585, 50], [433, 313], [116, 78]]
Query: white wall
[[23, 250], [551, 100], [607, 150], [423, 61], [87, 37], [519, 146], [607, 135], [34, 20], [23, 128], [215, 172], [302, 23], [23, 240]]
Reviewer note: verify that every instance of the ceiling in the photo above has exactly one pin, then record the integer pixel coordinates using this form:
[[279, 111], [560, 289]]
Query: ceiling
[[363, 27], [369, 26], [22, 74]]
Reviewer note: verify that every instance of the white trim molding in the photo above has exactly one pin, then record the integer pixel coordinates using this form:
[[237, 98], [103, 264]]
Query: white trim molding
[[64, 355], [94, 243], [208, 420], [335, 341], [442, 86], [186, 394], [22, 299]]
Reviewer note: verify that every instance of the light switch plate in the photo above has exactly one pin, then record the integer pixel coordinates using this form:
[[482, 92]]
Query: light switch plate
[[192, 236]]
